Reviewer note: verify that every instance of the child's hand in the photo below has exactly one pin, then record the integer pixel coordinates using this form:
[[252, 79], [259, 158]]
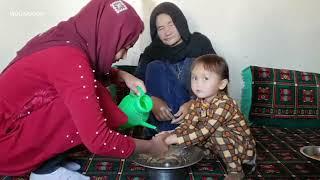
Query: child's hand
[[171, 139], [183, 111]]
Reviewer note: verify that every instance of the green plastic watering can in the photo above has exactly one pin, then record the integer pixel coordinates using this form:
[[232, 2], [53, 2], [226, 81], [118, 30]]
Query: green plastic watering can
[[137, 108]]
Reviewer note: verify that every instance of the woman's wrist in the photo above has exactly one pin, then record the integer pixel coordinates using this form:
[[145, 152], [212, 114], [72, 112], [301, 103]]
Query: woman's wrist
[[142, 146], [122, 75]]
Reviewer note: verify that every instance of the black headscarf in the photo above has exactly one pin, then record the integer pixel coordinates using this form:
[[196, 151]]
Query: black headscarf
[[193, 45], [177, 17]]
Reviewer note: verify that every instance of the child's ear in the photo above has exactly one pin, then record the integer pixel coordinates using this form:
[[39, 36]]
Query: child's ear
[[223, 84]]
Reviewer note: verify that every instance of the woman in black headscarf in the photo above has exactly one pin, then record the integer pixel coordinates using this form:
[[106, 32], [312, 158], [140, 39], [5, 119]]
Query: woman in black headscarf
[[165, 64]]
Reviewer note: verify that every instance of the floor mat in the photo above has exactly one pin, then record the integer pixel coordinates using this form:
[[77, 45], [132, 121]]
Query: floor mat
[[278, 158]]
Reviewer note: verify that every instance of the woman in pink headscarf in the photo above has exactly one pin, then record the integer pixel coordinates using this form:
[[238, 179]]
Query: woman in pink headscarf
[[51, 99]]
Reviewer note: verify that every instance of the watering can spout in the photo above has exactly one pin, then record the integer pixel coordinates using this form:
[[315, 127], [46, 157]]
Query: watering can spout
[[137, 108], [145, 124]]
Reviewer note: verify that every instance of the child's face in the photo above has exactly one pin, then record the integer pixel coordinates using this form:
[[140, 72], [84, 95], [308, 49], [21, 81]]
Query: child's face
[[205, 84]]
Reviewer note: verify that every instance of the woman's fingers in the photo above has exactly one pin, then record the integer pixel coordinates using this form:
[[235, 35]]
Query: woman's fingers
[[166, 113], [169, 114]]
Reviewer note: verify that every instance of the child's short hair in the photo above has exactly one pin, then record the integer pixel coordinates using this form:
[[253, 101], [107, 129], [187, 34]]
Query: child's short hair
[[213, 63]]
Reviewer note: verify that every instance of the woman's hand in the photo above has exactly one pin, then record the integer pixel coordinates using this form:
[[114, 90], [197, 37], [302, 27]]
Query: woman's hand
[[131, 81], [183, 111], [155, 146], [170, 137], [159, 146], [161, 110]]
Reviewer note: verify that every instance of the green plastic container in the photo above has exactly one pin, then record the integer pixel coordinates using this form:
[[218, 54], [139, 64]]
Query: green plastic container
[[137, 108]]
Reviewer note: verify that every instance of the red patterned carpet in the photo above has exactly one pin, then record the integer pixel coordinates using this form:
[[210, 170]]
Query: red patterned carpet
[[278, 158]]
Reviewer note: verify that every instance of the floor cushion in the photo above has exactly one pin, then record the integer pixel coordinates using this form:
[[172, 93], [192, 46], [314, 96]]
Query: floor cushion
[[280, 97]]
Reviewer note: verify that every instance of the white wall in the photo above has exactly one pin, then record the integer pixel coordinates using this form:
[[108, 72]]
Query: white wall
[[272, 33], [23, 19]]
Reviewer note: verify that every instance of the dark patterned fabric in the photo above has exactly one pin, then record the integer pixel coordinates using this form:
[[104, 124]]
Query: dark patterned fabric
[[281, 97], [277, 150]]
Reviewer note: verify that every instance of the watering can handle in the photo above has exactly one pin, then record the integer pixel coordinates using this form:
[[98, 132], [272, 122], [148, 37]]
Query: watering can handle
[[140, 91]]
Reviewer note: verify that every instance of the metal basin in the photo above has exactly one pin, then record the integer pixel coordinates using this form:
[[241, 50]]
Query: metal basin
[[171, 166], [312, 152], [167, 174]]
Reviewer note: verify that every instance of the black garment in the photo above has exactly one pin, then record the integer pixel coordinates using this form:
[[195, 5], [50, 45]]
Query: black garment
[[193, 45], [176, 15], [51, 165], [59, 160]]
